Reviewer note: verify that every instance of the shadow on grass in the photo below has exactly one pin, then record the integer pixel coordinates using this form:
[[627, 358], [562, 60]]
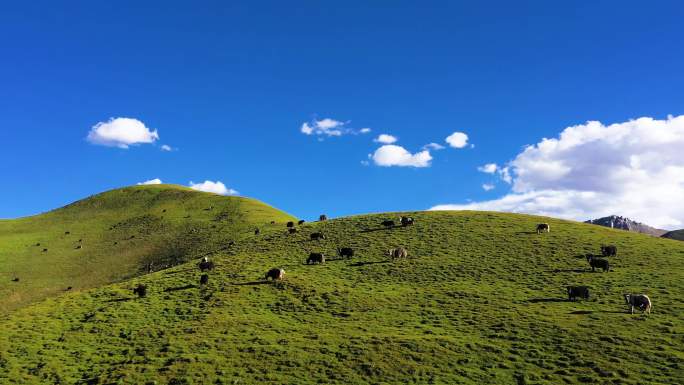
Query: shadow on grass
[[570, 271], [252, 283], [378, 229], [179, 288], [583, 312], [544, 300], [357, 264], [120, 299], [178, 271], [526, 233]]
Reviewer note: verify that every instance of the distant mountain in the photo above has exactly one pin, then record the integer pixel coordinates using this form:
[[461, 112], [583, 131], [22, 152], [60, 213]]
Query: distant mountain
[[676, 234], [622, 223]]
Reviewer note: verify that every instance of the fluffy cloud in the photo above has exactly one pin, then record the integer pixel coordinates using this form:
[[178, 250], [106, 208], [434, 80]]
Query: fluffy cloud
[[392, 155], [385, 138], [151, 181], [327, 126], [433, 146], [213, 187], [457, 140], [489, 168], [121, 132], [634, 168]]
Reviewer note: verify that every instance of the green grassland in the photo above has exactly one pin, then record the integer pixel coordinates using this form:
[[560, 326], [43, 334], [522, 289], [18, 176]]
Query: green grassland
[[119, 233], [481, 300]]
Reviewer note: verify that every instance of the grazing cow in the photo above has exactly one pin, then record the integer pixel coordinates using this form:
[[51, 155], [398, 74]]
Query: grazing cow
[[388, 223], [608, 251], [38, 244], [164, 210], [578, 291], [290, 224], [273, 222], [275, 274], [68, 288], [598, 262], [256, 231], [406, 221], [206, 265], [292, 230], [15, 279], [44, 250], [345, 252], [140, 290], [80, 240], [317, 236], [397, 253], [301, 222], [640, 301], [315, 258], [204, 279], [78, 247], [67, 232], [543, 228], [323, 217]]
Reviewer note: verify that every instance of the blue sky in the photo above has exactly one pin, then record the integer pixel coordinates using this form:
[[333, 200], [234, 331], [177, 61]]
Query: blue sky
[[228, 87]]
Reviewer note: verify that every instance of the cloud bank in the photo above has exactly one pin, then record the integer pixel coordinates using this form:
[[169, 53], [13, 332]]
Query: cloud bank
[[633, 168], [213, 187], [122, 133]]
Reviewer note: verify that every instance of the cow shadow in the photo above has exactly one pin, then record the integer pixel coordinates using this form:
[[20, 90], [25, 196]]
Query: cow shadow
[[119, 300], [525, 232], [570, 271], [546, 300], [170, 289], [252, 283]]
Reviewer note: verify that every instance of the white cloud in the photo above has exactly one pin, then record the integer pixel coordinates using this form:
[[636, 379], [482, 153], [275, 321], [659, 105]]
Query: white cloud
[[166, 147], [488, 186], [385, 138], [121, 132], [433, 146], [489, 168], [327, 126], [634, 169], [213, 187], [151, 181], [457, 140], [392, 155], [365, 130]]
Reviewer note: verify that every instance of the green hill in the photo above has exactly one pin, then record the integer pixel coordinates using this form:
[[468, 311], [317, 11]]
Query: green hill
[[676, 235], [115, 235], [480, 300]]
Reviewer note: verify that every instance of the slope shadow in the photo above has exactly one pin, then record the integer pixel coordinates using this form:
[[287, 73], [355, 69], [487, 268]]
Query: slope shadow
[[190, 286]]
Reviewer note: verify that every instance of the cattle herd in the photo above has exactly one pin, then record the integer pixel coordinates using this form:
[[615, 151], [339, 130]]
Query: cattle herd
[[638, 301]]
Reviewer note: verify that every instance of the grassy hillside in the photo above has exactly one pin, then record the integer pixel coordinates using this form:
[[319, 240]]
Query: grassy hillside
[[115, 235], [481, 300], [676, 235]]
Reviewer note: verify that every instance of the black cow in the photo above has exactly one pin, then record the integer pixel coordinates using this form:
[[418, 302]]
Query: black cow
[[609, 251], [44, 250], [323, 217], [388, 223], [67, 232], [315, 258], [15, 279], [317, 236], [292, 230], [140, 290], [406, 221], [598, 262], [301, 222], [345, 252], [640, 301], [206, 265], [204, 279], [275, 274], [256, 231], [290, 224], [543, 227], [578, 292]]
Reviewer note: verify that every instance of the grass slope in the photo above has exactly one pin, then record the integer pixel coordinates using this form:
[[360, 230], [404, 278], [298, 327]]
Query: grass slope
[[114, 235], [676, 235], [482, 300]]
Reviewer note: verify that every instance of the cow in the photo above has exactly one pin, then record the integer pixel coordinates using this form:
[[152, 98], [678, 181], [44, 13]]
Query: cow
[[256, 231], [206, 264], [78, 247], [44, 250], [15, 279], [290, 224], [67, 232], [38, 244], [406, 221], [315, 258], [640, 301], [323, 217], [345, 252], [578, 291], [275, 274], [273, 222], [317, 236], [204, 279], [397, 253], [301, 222], [292, 230], [140, 290], [543, 227], [388, 223], [598, 262], [608, 251]]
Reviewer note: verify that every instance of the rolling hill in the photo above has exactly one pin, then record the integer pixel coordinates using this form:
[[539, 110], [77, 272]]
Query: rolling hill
[[115, 235], [481, 299], [675, 234]]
